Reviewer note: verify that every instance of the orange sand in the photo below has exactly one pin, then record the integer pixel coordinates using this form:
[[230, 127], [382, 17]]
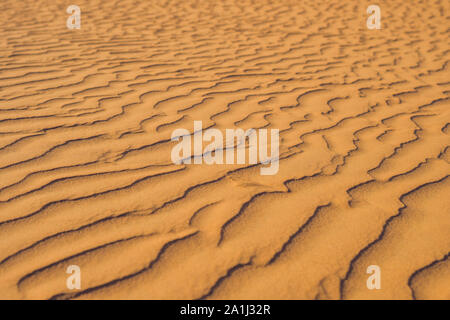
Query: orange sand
[[86, 178]]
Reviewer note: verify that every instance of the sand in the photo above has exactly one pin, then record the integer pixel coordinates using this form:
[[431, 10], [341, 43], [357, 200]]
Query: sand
[[86, 177]]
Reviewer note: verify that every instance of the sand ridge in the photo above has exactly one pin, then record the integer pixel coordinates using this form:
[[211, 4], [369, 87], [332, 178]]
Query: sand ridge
[[86, 177]]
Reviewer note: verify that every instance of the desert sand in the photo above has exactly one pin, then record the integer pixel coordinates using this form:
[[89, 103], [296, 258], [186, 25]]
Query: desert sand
[[86, 178]]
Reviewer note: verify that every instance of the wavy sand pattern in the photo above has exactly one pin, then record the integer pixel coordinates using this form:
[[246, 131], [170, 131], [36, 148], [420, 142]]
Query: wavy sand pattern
[[86, 178]]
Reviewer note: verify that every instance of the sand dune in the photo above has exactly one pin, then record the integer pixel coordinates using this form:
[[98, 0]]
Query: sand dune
[[86, 176]]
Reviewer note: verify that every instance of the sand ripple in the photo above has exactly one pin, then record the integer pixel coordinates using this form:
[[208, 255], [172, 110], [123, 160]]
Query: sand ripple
[[86, 178]]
